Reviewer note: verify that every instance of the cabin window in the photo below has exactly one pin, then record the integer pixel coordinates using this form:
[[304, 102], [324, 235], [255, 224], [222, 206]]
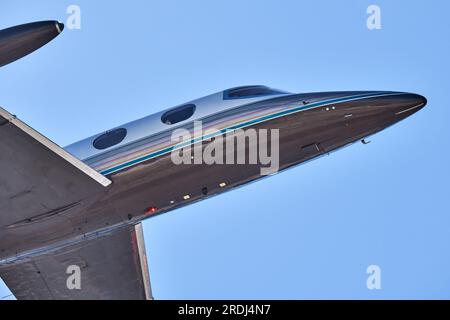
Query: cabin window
[[178, 114], [249, 92], [110, 138]]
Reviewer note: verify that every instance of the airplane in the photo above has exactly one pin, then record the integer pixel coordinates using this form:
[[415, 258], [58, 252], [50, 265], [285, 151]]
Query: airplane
[[83, 205]]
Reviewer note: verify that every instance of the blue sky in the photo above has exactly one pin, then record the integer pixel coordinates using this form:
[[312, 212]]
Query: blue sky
[[309, 232]]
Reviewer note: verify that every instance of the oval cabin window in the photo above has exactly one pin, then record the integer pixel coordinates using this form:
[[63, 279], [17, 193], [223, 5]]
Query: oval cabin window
[[110, 138], [249, 92], [178, 114]]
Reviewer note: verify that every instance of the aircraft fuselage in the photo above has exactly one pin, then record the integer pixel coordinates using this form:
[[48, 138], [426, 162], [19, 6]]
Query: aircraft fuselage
[[146, 182]]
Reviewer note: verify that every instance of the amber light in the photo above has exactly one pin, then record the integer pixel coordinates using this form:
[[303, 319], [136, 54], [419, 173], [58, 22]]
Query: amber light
[[150, 210]]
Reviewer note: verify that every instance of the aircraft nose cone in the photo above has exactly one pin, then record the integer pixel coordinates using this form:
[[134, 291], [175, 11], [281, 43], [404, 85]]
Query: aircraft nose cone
[[420, 99], [411, 103]]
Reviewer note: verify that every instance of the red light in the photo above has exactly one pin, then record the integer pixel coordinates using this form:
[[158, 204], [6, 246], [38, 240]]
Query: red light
[[150, 210]]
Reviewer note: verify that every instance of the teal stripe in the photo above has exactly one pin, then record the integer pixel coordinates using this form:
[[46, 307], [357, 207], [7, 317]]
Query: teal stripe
[[240, 126]]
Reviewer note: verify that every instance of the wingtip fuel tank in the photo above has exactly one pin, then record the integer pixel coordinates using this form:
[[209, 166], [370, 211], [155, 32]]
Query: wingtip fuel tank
[[19, 41]]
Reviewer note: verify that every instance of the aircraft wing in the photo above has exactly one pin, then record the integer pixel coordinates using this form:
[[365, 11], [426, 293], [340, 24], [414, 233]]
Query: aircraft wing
[[113, 266], [37, 177]]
